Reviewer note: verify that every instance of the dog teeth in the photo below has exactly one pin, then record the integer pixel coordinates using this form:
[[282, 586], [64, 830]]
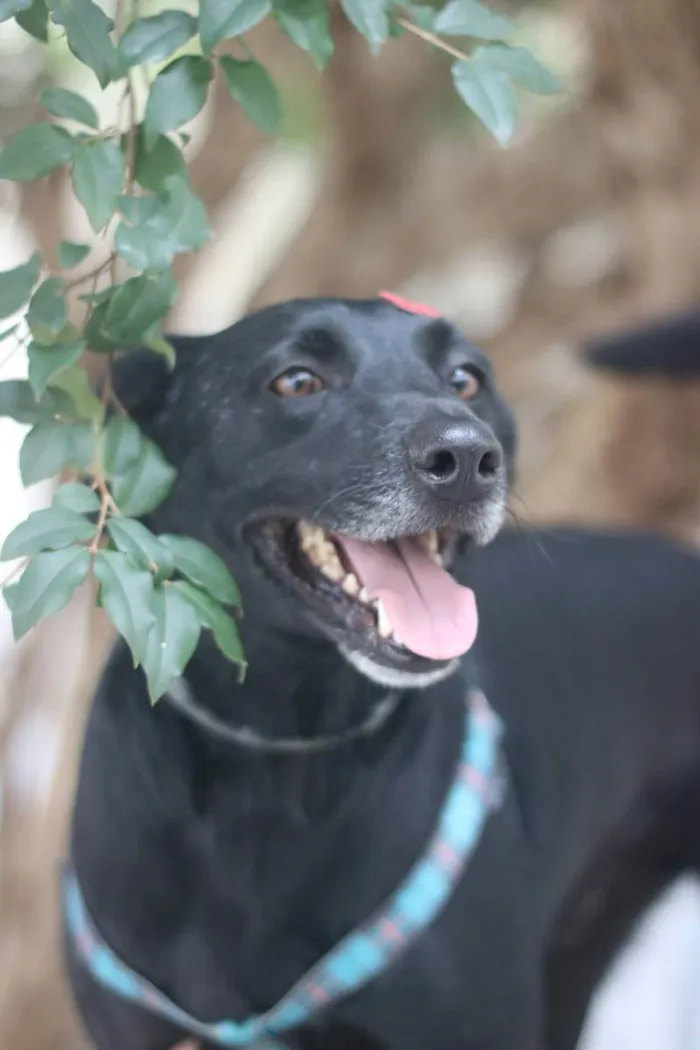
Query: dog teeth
[[351, 585], [364, 595], [384, 628], [430, 542]]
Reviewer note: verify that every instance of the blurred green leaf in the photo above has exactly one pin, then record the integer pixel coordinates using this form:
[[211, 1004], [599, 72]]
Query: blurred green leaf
[[46, 315], [45, 363], [127, 596], [157, 38], [70, 106], [76, 496], [47, 529], [47, 585], [489, 94], [369, 17], [172, 641], [49, 447], [145, 484], [203, 567], [123, 444], [18, 402], [35, 20], [98, 177], [156, 164], [520, 65], [470, 18], [160, 345], [35, 151], [306, 23], [71, 254], [222, 19], [16, 285], [138, 304], [251, 86], [216, 619], [422, 15], [177, 95], [88, 34], [74, 381], [9, 8], [141, 545], [178, 224]]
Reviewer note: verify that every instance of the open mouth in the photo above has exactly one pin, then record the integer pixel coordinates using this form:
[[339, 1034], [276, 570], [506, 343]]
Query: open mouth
[[395, 598]]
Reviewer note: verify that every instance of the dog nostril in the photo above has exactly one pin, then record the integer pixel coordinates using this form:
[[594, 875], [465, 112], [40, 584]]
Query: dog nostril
[[441, 464], [488, 465]]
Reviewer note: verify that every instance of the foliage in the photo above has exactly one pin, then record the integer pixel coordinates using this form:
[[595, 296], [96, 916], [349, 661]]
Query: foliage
[[132, 181]]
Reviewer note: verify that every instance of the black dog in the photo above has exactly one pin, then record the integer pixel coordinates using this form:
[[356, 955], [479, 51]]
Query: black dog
[[315, 441]]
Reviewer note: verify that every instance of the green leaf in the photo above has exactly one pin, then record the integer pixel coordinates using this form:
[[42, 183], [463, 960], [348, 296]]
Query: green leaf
[[306, 24], [18, 402], [35, 151], [16, 285], [370, 18], [159, 345], [172, 641], [155, 39], [520, 65], [71, 254], [422, 15], [97, 339], [46, 315], [156, 164], [138, 304], [47, 585], [179, 224], [88, 34], [219, 622], [222, 19], [138, 209], [76, 496], [46, 362], [35, 20], [177, 95], [49, 447], [128, 598], [8, 8], [489, 94], [46, 530], [7, 332], [141, 545], [123, 445], [70, 106], [202, 566], [98, 177], [9, 591], [145, 484], [470, 18], [74, 381], [251, 86]]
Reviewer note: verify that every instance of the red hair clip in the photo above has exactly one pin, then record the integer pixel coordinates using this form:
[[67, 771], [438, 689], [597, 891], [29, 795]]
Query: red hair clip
[[408, 306]]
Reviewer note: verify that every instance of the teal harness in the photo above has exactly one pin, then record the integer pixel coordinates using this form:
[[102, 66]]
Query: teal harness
[[367, 951]]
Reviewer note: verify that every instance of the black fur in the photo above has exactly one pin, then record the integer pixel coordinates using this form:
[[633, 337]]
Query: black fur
[[223, 875]]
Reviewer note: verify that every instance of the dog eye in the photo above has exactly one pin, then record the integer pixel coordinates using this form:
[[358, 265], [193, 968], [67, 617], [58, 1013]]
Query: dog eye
[[297, 382], [465, 382]]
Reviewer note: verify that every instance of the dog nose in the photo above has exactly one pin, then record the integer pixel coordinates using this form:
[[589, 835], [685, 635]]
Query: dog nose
[[456, 459]]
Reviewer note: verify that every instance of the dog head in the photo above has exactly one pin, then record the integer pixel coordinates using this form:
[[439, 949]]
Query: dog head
[[337, 454]]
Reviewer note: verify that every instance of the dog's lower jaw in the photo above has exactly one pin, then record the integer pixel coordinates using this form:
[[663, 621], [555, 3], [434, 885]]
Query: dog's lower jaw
[[394, 678]]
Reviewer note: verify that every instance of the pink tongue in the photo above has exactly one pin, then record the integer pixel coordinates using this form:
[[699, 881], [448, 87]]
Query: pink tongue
[[431, 614]]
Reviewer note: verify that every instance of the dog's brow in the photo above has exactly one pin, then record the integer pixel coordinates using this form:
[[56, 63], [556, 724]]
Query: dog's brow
[[321, 339]]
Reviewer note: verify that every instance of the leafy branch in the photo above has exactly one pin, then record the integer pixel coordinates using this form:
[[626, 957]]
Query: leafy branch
[[131, 179]]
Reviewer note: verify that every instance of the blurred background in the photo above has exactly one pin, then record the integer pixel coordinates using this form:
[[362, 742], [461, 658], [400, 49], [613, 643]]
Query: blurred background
[[588, 223]]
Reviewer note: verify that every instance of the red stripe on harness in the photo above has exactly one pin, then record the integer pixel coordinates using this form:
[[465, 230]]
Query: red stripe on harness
[[408, 306]]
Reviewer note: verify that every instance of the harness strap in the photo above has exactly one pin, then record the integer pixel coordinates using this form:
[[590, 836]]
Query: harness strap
[[364, 953]]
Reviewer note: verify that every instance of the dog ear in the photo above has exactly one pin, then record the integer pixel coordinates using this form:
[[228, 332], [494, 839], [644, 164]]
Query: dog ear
[[142, 381], [670, 347]]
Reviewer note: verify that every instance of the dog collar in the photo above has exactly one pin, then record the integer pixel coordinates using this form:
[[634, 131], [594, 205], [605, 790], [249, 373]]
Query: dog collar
[[371, 948], [408, 306]]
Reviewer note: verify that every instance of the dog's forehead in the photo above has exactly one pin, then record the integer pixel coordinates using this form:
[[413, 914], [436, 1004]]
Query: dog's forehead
[[379, 335]]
